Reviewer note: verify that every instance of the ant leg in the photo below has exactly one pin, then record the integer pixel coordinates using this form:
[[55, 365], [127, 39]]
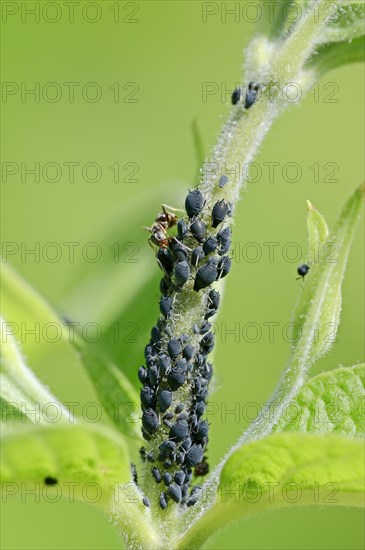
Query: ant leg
[[182, 244]]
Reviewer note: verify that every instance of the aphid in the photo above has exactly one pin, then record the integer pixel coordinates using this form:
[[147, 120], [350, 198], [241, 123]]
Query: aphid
[[166, 478], [184, 338], [236, 96], [134, 473], [163, 501], [200, 409], [167, 423], [179, 477], [186, 444], [146, 502], [197, 255], [156, 474], [192, 500], [148, 397], [179, 457], [164, 399], [176, 378], [194, 203], [179, 430], [155, 334], [222, 181], [194, 496], [174, 491], [142, 374], [179, 251], [302, 271], [214, 299], [165, 306], [188, 352], [168, 416], [174, 347], [219, 212], [251, 94], [167, 446], [49, 480], [198, 230], [210, 245], [179, 408], [165, 260], [207, 342], [224, 235], [182, 365], [167, 463], [224, 267], [202, 430], [165, 284], [164, 363], [154, 374], [194, 455], [205, 327], [149, 421], [143, 453], [181, 273], [201, 469], [182, 229], [206, 274]]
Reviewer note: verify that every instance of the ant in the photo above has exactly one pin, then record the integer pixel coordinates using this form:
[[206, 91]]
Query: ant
[[163, 221]]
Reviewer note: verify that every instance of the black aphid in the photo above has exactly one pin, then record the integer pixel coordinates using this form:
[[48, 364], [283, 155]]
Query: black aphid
[[179, 408], [197, 255], [164, 399], [200, 409], [182, 229], [167, 447], [202, 430], [198, 230], [142, 374], [207, 342], [214, 299], [186, 444], [179, 477], [150, 421], [224, 267], [148, 397], [164, 363], [156, 474], [181, 272], [176, 378], [49, 480], [134, 473], [146, 502], [174, 347], [219, 212], [251, 95], [163, 501], [236, 96], [194, 455], [165, 260], [303, 270], [222, 181], [194, 203], [154, 374], [201, 469], [179, 430], [166, 478], [206, 274], [174, 491], [188, 352], [179, 251], [210, 245], [165, 305], [205, 327]]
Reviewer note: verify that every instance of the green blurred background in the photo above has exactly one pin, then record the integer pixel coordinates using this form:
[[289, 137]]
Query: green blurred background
[[162, 54]]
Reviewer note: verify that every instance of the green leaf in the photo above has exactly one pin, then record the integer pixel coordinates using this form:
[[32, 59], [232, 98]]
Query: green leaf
[[116, 393], [317, 230], [81, 454], [337, 54], [45, 339], [280, 471], [22, 394], [317, 314], [330, 402]]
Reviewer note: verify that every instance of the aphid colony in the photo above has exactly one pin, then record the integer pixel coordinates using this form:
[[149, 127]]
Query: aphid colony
[[250, 97], [177, 431]]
